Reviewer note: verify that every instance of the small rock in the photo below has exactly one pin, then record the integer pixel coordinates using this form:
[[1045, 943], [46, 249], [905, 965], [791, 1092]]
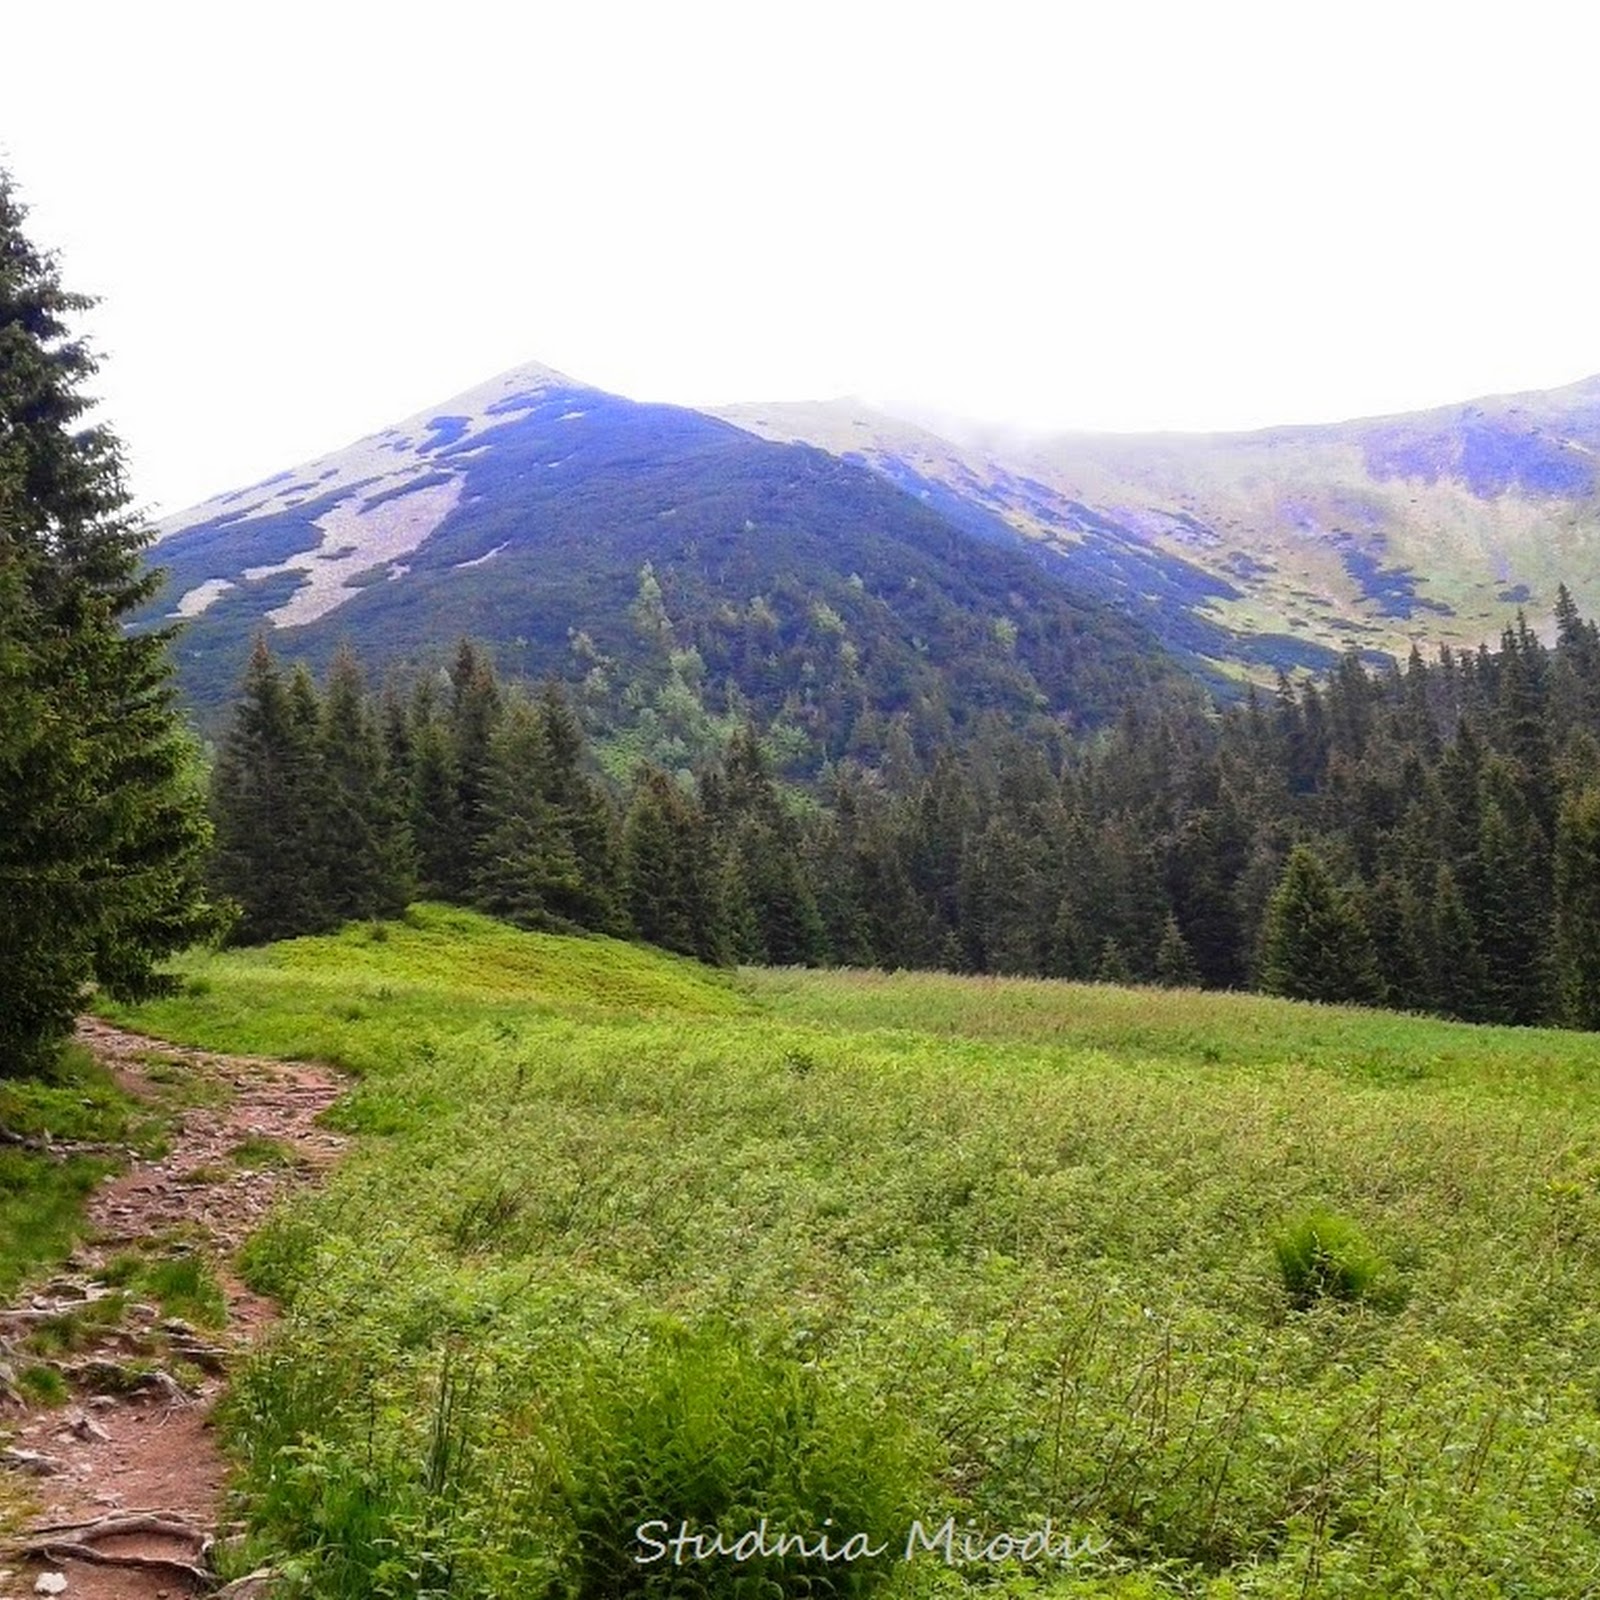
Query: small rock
[[50, 1583], [86, 1428], [103, 1402], [34, 1461]]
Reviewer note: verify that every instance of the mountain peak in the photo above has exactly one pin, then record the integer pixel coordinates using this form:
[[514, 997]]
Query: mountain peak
[[500, 393]]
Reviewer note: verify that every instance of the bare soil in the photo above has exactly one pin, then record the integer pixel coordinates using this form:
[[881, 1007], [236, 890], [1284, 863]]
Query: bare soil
[[129, 1468]]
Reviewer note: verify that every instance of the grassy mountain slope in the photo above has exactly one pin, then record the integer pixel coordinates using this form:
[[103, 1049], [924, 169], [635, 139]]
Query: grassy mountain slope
[[621, 1238], [526, 513], [1284, 544]]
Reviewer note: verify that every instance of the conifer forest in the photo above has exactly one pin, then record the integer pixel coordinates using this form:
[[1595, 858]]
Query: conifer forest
[[1425, 839]]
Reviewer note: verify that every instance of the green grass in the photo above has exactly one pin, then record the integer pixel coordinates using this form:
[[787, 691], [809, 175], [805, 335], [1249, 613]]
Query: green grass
[[182, 1282], [42, 1196], [1018, 1236], [257, 1151]]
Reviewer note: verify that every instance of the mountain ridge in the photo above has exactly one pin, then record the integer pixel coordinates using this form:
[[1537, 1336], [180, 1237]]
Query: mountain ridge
[[1378, 532], [1243, 553], [675, 570]]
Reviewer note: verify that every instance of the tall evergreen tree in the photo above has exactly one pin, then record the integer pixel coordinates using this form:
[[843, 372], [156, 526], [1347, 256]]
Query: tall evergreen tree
[[264, 800], [102, 828], [476, 704], [1175, 965], [1315, 944], [581, 811], [525, 869], [1459, 976], [1577, 897], [438, 834], [363, 844], [773, 914], [667, 871]]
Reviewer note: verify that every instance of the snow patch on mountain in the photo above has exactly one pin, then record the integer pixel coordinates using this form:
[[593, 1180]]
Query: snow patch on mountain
[[381, 518], [356, 537]]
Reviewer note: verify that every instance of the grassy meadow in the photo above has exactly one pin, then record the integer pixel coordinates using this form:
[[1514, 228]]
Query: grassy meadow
[[1246, 1298]]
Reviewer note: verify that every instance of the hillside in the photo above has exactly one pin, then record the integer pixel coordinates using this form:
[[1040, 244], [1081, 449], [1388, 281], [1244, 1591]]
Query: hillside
[[1286, 545], [622, 1242], [637, 550], [821, 563]]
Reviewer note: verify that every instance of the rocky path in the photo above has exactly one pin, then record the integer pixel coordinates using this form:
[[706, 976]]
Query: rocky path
[[126, 1476]]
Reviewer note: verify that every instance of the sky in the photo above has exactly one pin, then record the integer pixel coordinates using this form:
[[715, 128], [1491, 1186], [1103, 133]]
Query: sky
[[305, 222]]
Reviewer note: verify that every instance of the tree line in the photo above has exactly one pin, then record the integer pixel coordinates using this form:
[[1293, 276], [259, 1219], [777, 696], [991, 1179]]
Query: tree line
[[333, 803], [1425, 838]]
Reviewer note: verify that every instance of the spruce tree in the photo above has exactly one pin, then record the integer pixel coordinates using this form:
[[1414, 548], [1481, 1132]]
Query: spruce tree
[[363, 844], [1111, 965], [476, 706], [1577, 894], [1175, 965], [524, 866], [667, 874], [582, 812], [1510, 915], [1459, 976], [264, 795], [1314, 942], [772, 913], [102, 826], [443, 858]]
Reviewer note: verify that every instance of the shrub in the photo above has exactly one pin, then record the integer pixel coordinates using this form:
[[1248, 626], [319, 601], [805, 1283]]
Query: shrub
[[703, 1428], [1322, 1256]]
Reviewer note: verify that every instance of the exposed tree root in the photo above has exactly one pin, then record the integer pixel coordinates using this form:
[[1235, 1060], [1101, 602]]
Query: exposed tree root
[[79, 1541], [71, 1550], [121, 1522]]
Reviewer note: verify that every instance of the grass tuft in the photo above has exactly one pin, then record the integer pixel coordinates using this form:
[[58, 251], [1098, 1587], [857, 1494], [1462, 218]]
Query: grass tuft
[[1324, 1257]]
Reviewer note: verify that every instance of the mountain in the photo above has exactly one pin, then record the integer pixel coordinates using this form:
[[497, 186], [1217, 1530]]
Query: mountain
[[832, 566], [1283, 546], [677, 570]]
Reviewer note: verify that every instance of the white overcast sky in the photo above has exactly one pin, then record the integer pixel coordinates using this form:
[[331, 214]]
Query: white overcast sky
[[307, 221]]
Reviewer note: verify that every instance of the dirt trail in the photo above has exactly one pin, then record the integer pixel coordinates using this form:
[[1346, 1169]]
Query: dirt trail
[[129, 1467]]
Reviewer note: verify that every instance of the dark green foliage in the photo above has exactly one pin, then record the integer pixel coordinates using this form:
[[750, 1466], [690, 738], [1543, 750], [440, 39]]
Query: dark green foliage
[[266, 793], [437, 832], [547, 852], [1175, 964], [1162, 850], [1511, 916], [773, 916], [668, 877], [526, 869], [360, 839], [1577, 892], [316, 824], [102, 825], [475, 708], [1459, 975], [1315, 944], [582, 814], [1111, 965]]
